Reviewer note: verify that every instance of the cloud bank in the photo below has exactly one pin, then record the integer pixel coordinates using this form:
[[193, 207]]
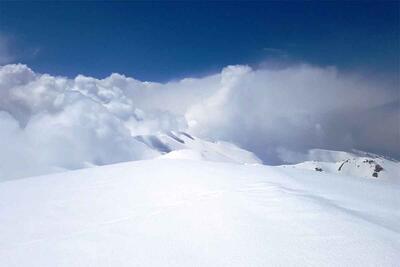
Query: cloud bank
[[52, 123]]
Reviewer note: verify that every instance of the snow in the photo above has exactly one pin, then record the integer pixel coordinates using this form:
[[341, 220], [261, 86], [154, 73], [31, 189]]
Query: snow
[[357, 164], [180, 212], [181, 145]]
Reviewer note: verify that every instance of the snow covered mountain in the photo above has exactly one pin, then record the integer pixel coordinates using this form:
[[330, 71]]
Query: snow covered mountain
[[356, 163], [181, 145], [170, 212]]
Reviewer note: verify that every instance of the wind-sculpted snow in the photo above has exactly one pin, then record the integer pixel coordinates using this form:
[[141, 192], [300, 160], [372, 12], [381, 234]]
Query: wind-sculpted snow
[[167, 212], [49, 123]]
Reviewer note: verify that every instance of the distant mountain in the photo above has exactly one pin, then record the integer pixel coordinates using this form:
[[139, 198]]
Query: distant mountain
[[181, 145], [356, 163]]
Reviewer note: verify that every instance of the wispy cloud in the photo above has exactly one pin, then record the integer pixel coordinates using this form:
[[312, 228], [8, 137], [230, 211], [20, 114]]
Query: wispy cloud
[[274, 50], [12, 50], [6, 53]]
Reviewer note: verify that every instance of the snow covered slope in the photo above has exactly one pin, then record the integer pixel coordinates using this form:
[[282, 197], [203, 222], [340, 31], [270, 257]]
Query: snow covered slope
[[358, 163], [181, 145], [167, 212]]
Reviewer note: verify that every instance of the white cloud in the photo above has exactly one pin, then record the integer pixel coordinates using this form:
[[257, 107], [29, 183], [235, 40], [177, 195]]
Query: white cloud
[[298, 107], [49, 123]]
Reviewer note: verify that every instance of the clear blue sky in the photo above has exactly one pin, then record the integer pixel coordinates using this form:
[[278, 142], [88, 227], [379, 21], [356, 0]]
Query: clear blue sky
[[160, 41]]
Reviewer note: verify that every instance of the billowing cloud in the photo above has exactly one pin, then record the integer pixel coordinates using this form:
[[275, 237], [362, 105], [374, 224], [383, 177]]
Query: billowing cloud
[[47, 124], [299, 108], [52, 123]]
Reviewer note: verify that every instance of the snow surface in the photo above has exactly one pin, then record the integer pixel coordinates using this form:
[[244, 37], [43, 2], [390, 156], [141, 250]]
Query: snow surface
[[169, 212], [181, 145]]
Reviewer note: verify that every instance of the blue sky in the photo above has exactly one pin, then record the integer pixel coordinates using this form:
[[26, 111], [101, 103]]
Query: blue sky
[[162, 41]]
